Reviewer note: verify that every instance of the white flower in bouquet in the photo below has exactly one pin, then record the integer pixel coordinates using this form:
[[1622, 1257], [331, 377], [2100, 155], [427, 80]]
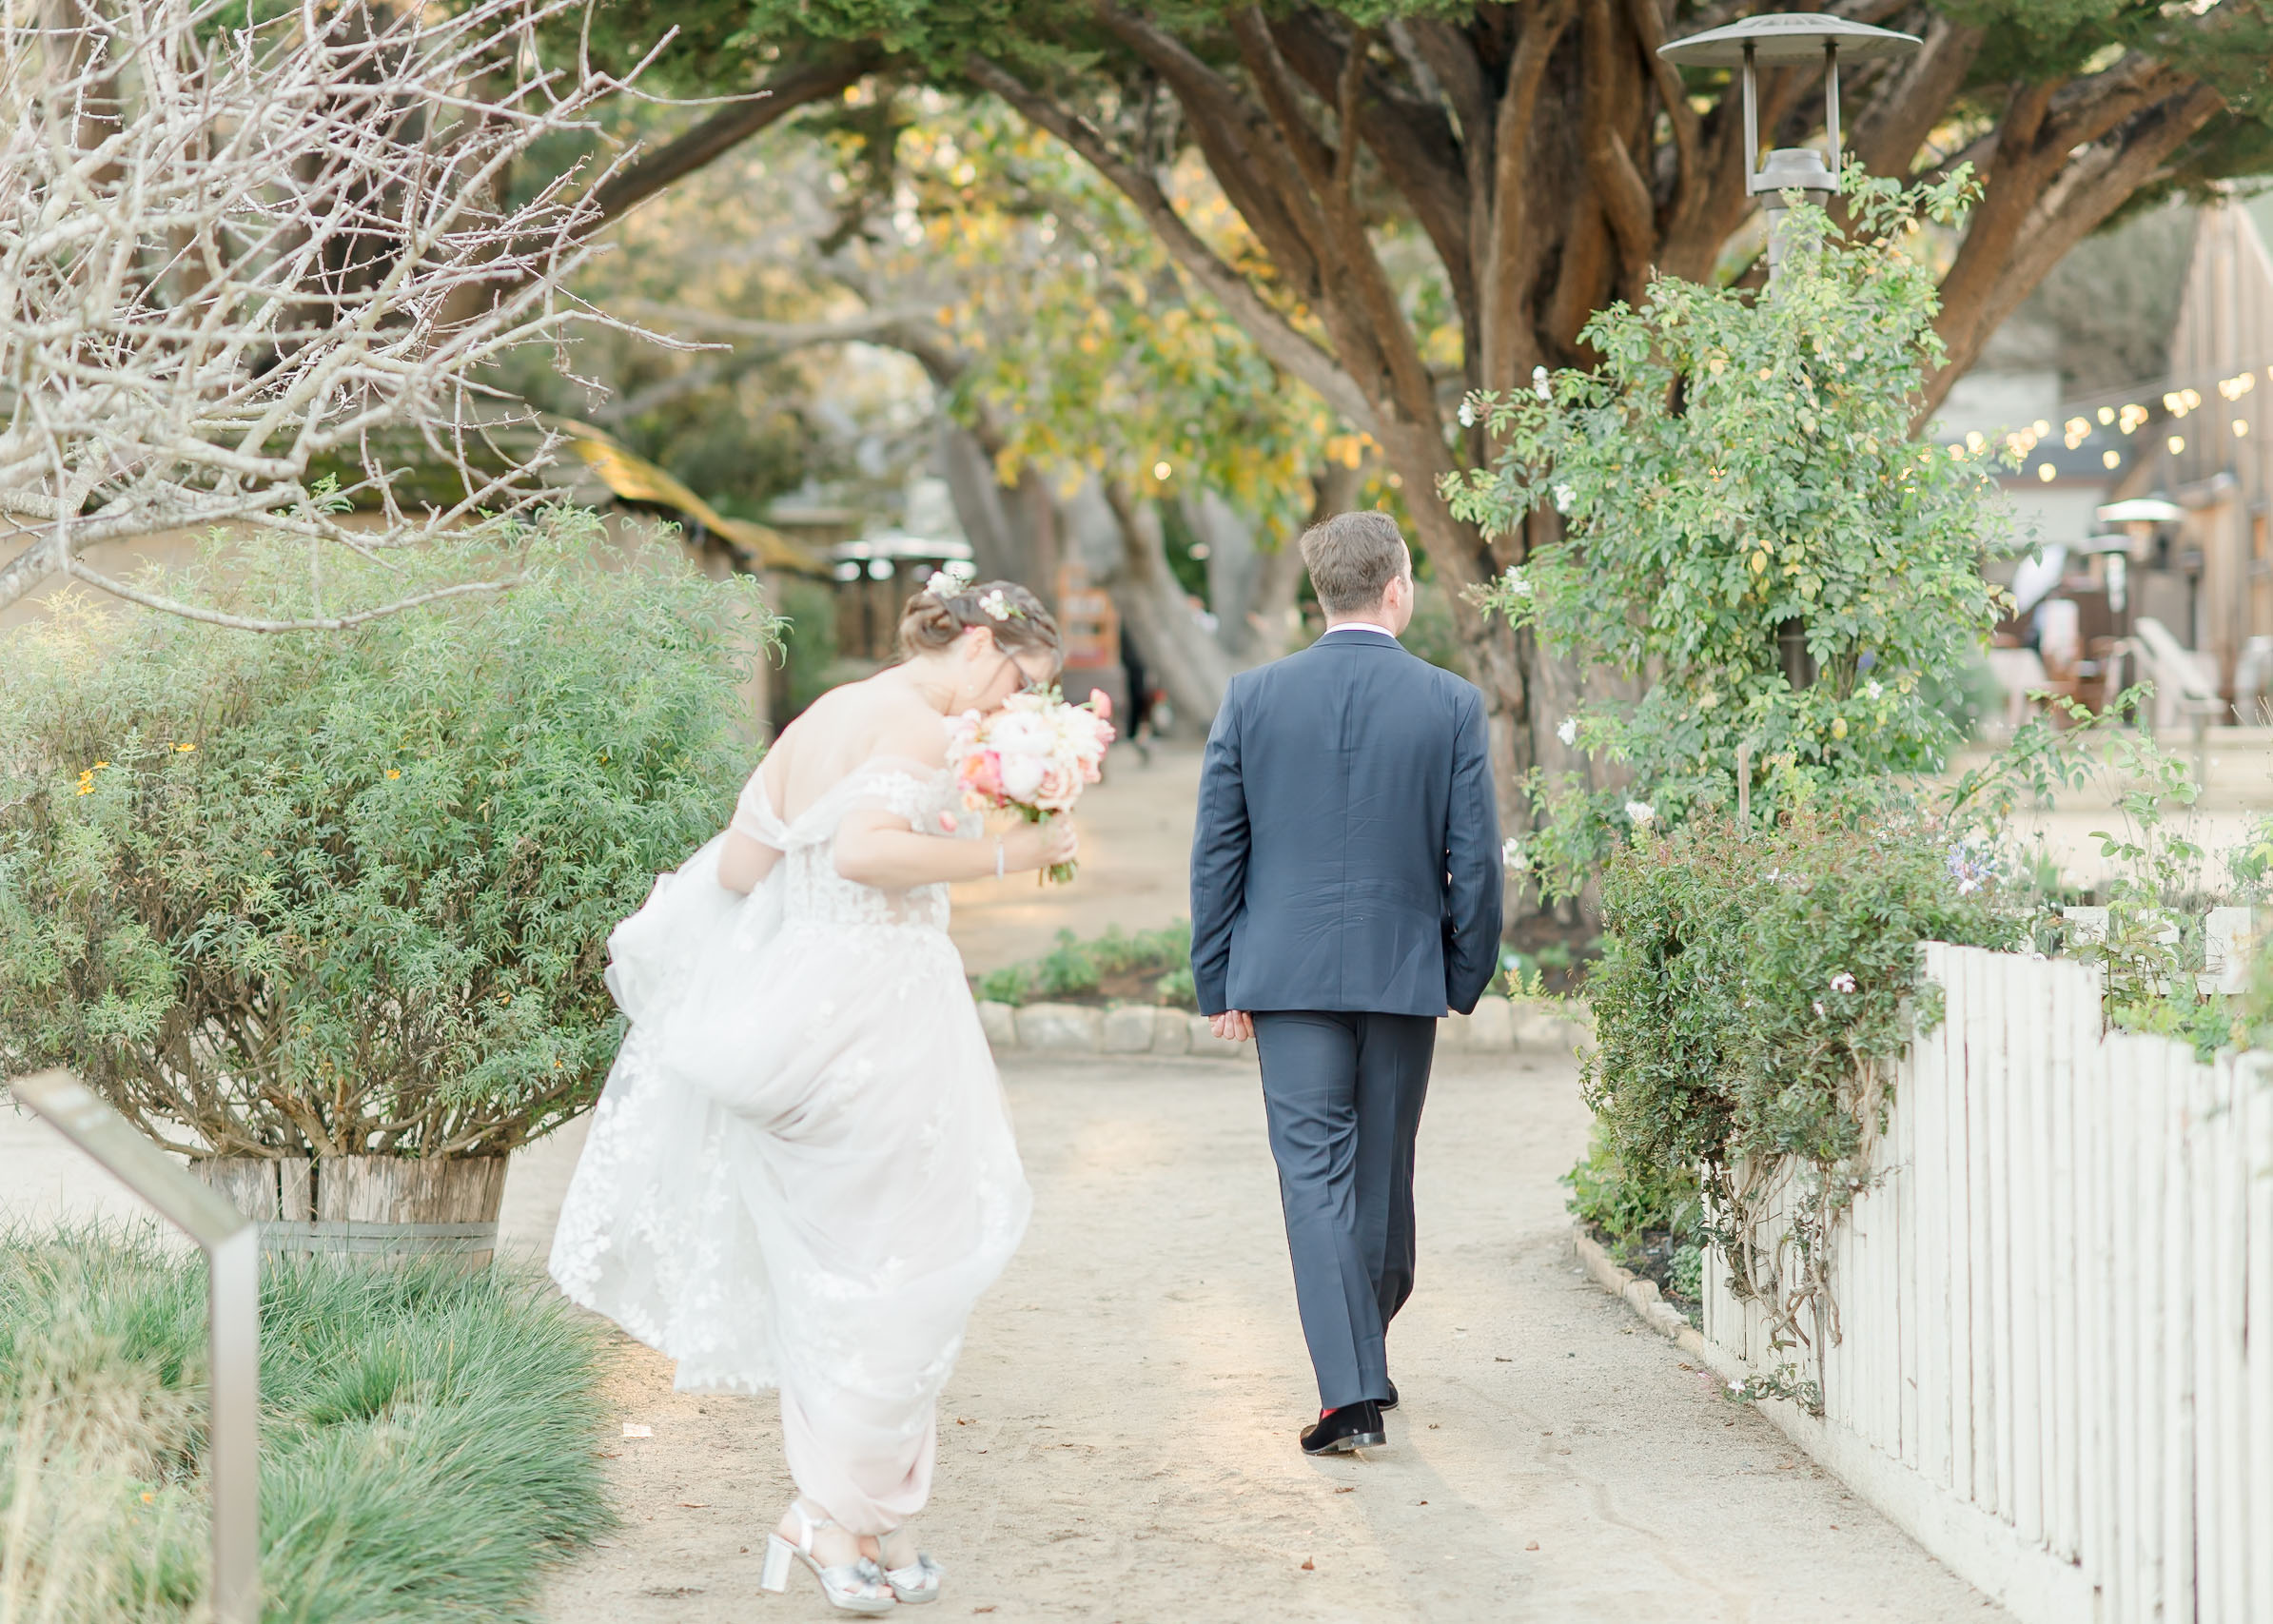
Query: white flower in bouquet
[[1033, 756]]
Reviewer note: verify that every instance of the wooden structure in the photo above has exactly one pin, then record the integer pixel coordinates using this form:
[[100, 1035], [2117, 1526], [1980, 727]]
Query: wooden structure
[[1090, 624]]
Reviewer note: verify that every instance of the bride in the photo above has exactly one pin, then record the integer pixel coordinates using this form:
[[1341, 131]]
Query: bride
[[801, 1174]]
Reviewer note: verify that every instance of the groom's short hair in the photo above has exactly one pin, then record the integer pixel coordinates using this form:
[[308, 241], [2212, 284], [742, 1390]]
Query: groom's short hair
[[1352, 557]]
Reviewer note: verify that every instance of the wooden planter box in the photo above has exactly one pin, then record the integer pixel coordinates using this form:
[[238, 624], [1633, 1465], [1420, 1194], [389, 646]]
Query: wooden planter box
[[368, 1205]]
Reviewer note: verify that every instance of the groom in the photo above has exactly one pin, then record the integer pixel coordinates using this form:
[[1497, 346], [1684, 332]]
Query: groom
[[1345, 892]]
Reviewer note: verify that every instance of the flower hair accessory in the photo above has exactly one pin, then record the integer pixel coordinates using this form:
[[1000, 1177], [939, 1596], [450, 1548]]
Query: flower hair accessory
[[946, 583], [997, 607]]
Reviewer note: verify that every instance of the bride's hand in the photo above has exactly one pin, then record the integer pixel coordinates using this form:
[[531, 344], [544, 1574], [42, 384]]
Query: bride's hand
[[1040, 845]]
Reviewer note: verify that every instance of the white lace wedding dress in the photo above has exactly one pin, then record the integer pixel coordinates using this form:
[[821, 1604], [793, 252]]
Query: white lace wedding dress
[[801, 1173]]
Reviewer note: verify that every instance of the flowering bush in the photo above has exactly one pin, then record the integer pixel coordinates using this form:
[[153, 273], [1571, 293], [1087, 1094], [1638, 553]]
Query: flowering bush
[[348, 892], [1735, 483], [1034, 756], [1754, 985]]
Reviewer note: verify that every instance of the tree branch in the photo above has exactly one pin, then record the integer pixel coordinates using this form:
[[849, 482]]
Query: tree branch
[[1287, 348], [1265, 187], [788, 89], [1915, 97], [1412, 140], [1979, 292], [1514, 247], [77, 570], [1623, 194]]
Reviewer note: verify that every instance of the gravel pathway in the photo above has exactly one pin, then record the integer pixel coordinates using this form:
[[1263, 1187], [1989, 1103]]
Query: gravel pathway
[[1118, 1442]]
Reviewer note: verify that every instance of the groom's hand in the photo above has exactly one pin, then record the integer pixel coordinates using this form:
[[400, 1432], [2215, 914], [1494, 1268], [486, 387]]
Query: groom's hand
[[1233, 1026]]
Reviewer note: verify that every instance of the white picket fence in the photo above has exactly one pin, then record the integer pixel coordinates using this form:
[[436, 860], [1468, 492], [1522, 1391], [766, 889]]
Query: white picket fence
[[2056, 1300]]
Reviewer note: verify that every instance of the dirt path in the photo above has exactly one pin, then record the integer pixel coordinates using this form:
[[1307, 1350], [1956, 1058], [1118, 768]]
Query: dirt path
[[1118, 1441]]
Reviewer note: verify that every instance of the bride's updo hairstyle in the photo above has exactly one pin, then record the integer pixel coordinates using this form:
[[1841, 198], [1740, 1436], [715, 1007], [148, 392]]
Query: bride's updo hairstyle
[[938, 615]]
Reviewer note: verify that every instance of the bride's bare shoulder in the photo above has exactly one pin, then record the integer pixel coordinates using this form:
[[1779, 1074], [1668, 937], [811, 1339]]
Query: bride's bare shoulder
[[854, 724]]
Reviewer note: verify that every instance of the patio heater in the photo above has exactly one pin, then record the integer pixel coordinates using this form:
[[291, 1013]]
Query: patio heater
[[1788, 39]]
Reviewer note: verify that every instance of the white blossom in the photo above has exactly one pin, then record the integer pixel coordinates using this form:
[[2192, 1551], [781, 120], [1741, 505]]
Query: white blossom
[[1873, 688], [1642, 813], [1516, 581], [1568, 732], [1468, 415], [1540, 385], [1512, 855], [1843, 982]]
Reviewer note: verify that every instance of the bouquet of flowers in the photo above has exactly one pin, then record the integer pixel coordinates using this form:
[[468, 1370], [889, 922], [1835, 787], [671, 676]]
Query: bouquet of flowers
[[1031, 757]]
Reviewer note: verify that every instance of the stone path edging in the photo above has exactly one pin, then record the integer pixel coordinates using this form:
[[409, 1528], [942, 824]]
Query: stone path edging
[[1500, 1025], [1650, 1306]]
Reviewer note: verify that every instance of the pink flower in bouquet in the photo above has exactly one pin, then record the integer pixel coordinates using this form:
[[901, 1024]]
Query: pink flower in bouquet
[[1032, 756]]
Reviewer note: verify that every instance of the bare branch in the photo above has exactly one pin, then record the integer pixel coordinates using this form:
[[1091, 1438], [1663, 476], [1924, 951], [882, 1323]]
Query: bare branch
[[275, 267], [78, 570]]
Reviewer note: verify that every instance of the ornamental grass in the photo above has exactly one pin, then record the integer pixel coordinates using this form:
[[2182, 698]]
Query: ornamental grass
[[427, 1436]]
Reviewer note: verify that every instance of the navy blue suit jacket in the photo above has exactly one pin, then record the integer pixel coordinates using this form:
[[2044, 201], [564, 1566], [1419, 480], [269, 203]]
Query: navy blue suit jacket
[[1346, 854]]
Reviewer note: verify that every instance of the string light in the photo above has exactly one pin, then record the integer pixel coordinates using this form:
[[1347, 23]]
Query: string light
[[2106, 414], [2046, 472], [2240, 428], [2111, 459], [2178, 444]]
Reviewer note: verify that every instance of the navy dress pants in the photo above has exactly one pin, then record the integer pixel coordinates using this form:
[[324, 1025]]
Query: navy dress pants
[[1342, 1092]]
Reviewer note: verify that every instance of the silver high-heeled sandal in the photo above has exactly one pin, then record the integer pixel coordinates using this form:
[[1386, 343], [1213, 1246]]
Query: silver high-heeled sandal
[[849, 1586], [917, 1583]]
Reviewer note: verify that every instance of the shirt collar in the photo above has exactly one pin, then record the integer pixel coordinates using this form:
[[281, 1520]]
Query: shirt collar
[[1361, 626]]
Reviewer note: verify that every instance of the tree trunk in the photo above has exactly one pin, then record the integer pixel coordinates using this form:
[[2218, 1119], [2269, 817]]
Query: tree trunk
[[998, 549], [1187, 661]]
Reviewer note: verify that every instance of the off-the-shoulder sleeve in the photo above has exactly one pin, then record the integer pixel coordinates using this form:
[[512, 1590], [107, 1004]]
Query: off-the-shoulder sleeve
[[753, 815]]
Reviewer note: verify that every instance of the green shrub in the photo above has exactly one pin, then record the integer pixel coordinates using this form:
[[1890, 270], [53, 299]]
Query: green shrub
[[427, 1436], [1751, 998], [1622, 1197], [349, 892], [1738, 473], [1075, 969]]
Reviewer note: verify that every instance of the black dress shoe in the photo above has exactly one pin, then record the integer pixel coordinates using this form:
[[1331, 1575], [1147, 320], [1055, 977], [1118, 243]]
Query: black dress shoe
[[1390, 1403], [1353, 1426]]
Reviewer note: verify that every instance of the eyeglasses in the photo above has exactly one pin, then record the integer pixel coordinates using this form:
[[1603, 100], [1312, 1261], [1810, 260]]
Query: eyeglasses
[[1025, 684]]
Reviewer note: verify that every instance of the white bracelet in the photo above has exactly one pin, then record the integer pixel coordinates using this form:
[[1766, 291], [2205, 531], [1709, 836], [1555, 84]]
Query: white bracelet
[[998, 857]]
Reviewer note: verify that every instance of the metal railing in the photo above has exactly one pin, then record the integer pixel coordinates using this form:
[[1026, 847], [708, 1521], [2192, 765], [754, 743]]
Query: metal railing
[[233, 1247]]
